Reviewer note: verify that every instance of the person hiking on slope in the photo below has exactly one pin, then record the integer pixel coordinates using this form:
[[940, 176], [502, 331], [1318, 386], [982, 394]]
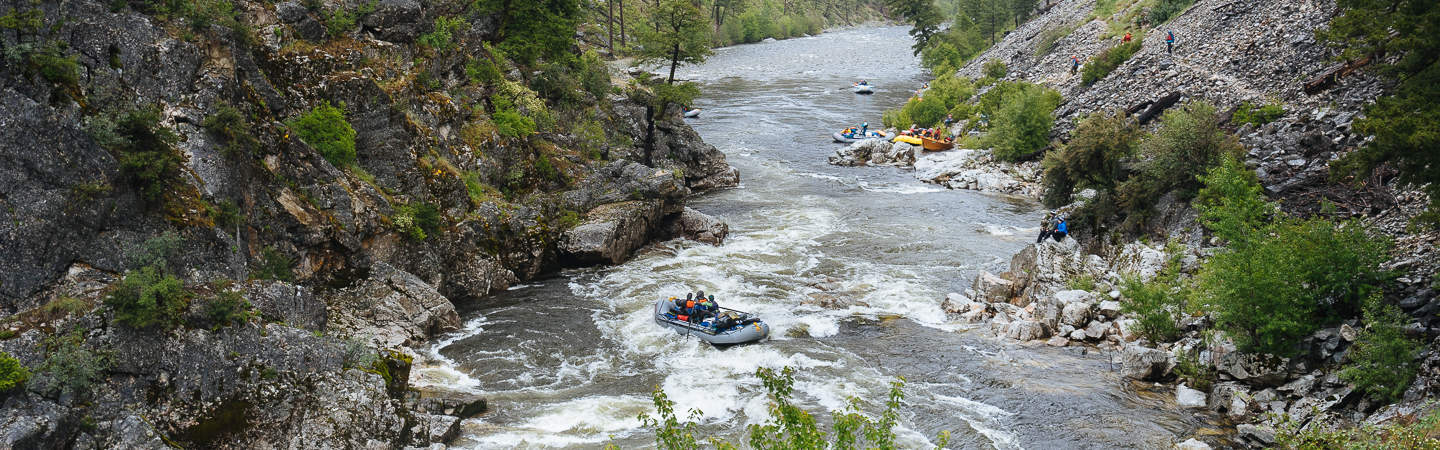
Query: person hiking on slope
[[1074, 64], [1125, 39], [1170, 42]]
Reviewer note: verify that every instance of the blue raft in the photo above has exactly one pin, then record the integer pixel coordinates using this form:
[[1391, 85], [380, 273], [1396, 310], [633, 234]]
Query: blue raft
[[744, 327]]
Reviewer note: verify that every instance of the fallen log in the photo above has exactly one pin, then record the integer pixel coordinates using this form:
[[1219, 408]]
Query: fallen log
[[1333, 75], [1158, 107]]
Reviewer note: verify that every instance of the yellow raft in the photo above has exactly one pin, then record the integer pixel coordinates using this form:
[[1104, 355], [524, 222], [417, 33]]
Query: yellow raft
[[907, 139]]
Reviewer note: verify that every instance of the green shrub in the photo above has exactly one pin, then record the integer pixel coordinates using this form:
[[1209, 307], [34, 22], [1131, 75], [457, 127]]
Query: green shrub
[[158, 251], [12, 373], [482, 71], [230, 125], [1293, 278], [52, 64], [1382, 363], [1108, 60], [1168, 9], [326, 130], [342, 19], [1022, 125], [227, 307], [1188, 143], [273, 265], [417, 220], [1093, 159], [1156, 306], [1232, 204], [948, 94], [148, 297], [1257, 115], [70, 367], [145, 149], [1085, 282], [441, 38], [1049, 37], [1194, 373], [995, 69]]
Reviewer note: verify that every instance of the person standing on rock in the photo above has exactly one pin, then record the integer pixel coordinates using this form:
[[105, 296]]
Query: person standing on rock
[[1074, 64], [1170, 42]]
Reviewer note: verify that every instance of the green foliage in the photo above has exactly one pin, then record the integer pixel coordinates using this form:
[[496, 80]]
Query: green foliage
[[26, 21], [483, 70], [326, 130], [417, 220], [1093, 159], [924, 18], [1022, 124], [1168, 9], [790, 427], [1292, 278], [52, 64], [995, 69], [764, 20], [1188, 143], [1399, 433], [1382, 363], [1406, 124], [441, 38], [509, 122], [343, 19], [12, 373], [1257, 115], [273, 265], [156, 252], [148, 297], [679, 36], [230, 124], [227, 307], [148, 159], [70, 367], [1194, 373], [530, 30], [1084, 282], [1232, 204], [1157, 305], [1108, 60]]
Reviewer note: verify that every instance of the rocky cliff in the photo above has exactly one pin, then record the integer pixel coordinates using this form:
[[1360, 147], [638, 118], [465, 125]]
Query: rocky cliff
[[128, 122]]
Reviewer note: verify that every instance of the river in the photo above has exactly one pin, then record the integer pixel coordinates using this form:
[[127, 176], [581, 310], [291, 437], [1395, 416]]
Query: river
[[570, 361]]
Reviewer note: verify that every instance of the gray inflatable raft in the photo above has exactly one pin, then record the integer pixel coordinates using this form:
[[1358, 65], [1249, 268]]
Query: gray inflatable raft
[[748, 328]]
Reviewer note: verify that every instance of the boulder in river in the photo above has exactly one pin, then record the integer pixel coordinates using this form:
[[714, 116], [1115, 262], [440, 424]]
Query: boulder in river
[[993, 289], [1144, 363]]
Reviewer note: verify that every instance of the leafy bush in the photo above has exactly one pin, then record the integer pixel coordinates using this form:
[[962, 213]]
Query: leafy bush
[[157, 251], [1157, 305], [1294, 277], [12, 373], [342, 19], [1257, 115], [274, 265], [148, 297], [482, 71], [1167, 9], [1093, 159], [1108, 60], [1382, 363], [1022, 124], [417, 220], [1085, 282], [145, 149], [948, 94], [790, 427], [326, 130], [441, 37], [52, 64], [227, 307], [1232, 204], [1188, 143], [995, 69], [1049, 37], [230, 124], [70, 367], [1189, 369]]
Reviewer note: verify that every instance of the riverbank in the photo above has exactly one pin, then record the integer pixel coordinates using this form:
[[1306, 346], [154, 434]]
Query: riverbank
[[1069, 293]]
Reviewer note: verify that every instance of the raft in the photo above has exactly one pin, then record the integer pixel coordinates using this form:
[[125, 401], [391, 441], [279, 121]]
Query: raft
[[849, 138], [908, 140], [692, 113], [935, 145], [863, 89], [748, 329]]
